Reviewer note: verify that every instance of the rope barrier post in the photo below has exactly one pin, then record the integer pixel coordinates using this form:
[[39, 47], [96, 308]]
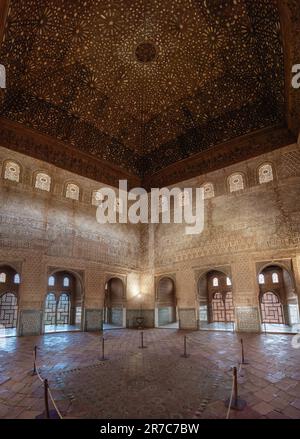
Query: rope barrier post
[[243, 353], [46, 387], [142, 346], [103, 358], [34, 361], [185, 354], [234, 402], [47, 414]]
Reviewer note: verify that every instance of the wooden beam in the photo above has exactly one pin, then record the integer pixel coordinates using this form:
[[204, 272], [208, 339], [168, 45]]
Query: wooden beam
[[4, 6]]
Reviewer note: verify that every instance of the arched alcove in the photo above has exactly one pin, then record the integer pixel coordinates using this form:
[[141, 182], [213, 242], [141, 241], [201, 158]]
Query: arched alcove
[[166, 303], [9, 300], [114, 304], [63, 302], [278, 300], [215, 298]]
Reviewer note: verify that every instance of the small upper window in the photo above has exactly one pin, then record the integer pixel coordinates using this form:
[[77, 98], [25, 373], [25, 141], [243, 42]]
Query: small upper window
[[208, 191], [228, 281], [17, 279], [215, 282], [12, 171], [265, 173], [66, 282], [72, 191], [51, 281], [261, 279], [236, 182], [43, 181], [2, 278], [275, 278]]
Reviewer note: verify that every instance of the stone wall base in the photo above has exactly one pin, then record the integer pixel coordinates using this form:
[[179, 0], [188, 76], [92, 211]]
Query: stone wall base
[[30, 322], [247, 319], [147, 314], [187, 318], [93, 320]]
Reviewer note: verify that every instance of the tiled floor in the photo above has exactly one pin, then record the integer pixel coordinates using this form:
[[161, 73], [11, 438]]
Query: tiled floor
[[156, 382]]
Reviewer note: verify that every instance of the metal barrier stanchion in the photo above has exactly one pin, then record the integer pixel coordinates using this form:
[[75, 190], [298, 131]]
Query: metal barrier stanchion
[[243, 353], [46, 387], [234, 402], [34, 361], [103, 358], [142, 346], [48, 414], [185, 354]]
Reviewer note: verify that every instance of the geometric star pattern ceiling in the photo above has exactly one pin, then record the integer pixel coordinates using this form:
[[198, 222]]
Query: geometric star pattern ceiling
[[143, 83]]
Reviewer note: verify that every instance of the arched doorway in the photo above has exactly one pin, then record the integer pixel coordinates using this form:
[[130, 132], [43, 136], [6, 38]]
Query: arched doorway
[[9, 297], [63, 303], [216, 307], [114, 304], [278, 300], [166, 304]]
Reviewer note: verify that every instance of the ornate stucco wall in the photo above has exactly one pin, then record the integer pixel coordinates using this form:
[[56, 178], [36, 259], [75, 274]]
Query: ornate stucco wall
[[40, 231]]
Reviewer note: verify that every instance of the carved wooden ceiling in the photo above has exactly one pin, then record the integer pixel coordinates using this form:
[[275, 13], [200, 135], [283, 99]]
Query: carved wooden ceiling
[[148, 89]]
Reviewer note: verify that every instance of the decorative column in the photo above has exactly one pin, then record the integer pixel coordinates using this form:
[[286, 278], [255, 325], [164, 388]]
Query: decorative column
[[94, 299], [186, 293], [245, 295], [31, 296]]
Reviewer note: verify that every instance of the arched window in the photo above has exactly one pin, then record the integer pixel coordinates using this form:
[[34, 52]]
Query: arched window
[[12, 171], [97, 197], [275, 278], [228, 281], [43, 181], [72, 191], [2, 278], [63, 310], [261, 279], [215, 282], [8, 310], [218, 308], [265, 173], [51, 281], [66, 282], [271, 309], [17, 279], [208, 191], [50, 310], [236, 182]]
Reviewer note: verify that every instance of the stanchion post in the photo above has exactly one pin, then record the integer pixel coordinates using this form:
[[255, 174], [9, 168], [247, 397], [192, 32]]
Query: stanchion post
[[46, 395], [103, 358], [243, 353], [34, 361], [142, 346], [185, 354], [47, 414], [235, 402]]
